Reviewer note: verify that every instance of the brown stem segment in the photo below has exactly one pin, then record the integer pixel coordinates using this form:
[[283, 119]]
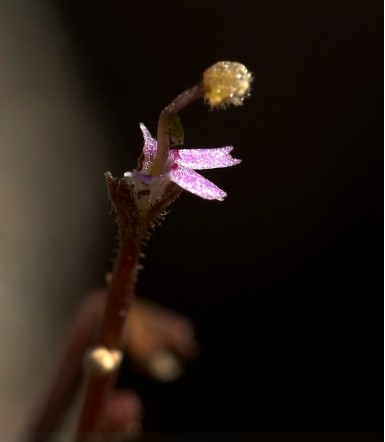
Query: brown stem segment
[[163, 137], [119, 299], [121, 293]]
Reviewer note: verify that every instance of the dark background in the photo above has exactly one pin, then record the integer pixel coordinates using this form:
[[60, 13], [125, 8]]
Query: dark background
[[283, 280]]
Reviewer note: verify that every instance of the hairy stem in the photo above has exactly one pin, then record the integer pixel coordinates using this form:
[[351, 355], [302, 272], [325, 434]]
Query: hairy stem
[[120, 296]]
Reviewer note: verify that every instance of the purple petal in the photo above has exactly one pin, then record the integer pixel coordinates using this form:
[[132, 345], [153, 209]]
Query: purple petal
[[149, 149], [190, 180], [206, 158]]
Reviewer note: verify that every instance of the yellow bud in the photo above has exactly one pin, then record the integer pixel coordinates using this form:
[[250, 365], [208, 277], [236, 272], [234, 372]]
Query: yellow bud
[[226, 82]]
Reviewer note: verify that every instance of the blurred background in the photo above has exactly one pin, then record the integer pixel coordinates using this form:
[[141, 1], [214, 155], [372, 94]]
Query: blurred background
[[283, 281]]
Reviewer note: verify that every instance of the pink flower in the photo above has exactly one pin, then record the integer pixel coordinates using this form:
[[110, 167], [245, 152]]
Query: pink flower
[[180, 169]]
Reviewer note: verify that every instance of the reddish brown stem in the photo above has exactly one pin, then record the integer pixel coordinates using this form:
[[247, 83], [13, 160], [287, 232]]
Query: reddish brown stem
[[119, 299], [120, 295]]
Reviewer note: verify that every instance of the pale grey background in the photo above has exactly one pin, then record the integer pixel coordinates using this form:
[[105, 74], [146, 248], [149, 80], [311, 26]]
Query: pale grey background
[[52, 159]]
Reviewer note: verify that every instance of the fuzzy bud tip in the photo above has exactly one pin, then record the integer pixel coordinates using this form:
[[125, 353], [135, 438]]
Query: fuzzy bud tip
[[225, 83]]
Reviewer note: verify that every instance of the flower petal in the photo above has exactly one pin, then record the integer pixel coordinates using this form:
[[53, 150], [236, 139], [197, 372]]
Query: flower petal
[[200, 159], [195, 183], [149, 149]]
